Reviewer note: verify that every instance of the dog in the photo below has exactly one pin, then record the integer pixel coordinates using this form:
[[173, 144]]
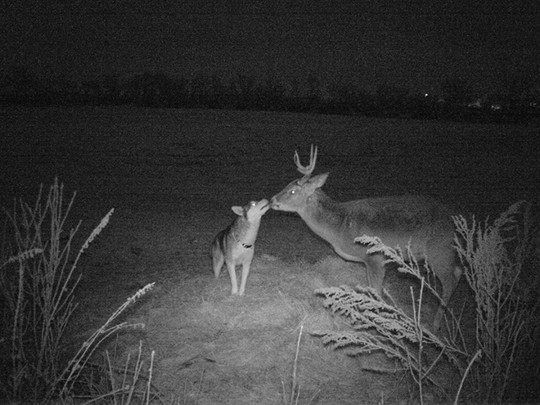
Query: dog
[[235, 245]]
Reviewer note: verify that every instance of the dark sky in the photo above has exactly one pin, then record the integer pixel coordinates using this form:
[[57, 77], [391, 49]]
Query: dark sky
[[415, 44]]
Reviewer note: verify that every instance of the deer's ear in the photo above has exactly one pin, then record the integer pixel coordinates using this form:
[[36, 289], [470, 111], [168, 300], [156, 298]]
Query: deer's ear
[[319, 180], [238, 210]]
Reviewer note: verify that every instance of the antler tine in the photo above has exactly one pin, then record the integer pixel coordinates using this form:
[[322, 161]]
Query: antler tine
[[306, 170]]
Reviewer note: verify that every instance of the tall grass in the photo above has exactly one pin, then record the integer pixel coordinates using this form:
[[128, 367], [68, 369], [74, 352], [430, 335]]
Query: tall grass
[[38, 290], [494, 257], [38, 279]]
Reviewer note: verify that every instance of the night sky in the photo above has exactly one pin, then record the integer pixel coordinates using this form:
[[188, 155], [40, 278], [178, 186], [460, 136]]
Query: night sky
[[413, 44]]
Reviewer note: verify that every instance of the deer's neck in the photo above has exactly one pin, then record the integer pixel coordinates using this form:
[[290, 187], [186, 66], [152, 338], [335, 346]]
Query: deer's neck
[[323, 215]]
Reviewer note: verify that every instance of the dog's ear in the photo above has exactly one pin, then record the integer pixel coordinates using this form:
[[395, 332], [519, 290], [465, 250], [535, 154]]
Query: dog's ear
[[238, 210]]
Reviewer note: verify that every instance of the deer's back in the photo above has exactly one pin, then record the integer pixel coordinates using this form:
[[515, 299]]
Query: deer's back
[[397, 220]]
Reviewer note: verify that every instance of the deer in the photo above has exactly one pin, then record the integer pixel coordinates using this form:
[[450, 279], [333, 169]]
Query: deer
[[422, 223], [235, 245]]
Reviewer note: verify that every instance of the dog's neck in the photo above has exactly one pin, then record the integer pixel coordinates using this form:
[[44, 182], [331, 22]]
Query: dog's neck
[[245, 232]]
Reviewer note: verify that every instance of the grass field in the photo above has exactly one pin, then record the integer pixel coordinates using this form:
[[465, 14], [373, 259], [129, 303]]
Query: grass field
[[172, 176]]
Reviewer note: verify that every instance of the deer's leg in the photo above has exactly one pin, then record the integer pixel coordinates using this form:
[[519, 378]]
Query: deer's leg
[[375, 272], [445, 267]]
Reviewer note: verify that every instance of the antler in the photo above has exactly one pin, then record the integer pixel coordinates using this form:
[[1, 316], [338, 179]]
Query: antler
[[306, 170]]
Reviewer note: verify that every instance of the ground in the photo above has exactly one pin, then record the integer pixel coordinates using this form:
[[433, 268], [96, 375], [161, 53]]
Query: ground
[[172, 176]]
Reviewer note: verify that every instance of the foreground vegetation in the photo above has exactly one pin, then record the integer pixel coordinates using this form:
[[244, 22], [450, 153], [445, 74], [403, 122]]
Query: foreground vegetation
[[38, 278], [501, 262]]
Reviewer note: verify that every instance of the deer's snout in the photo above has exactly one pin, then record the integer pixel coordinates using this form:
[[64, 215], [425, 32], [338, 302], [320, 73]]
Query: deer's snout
[[274, 203]]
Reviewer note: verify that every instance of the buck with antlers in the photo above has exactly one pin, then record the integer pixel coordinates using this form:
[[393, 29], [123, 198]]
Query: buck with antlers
[[397, 220]]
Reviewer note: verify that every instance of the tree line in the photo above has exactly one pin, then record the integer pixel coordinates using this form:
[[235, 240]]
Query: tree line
[[270, 93]]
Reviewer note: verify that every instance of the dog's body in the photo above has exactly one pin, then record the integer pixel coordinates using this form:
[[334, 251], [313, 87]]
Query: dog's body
[[235, 245]]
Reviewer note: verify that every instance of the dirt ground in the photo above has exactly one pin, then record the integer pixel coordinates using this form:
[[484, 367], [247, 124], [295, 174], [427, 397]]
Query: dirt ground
[[172, 176]]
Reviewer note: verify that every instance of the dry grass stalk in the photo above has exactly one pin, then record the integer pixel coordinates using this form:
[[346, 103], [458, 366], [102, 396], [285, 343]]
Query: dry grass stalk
[[295, 389], [29, 254], [477, 355]]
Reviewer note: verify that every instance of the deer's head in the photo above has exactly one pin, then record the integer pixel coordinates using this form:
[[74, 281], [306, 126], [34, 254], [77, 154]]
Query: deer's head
[[295, 196]]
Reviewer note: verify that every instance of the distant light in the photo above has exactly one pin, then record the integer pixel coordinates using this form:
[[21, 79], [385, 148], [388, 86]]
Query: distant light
[[426, 95]]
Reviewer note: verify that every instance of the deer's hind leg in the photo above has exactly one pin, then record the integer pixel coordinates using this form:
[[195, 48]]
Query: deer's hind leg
[[444, 265]]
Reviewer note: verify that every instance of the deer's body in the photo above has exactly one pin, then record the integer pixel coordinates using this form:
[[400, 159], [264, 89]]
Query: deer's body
[[235, 245], [421, 221]]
